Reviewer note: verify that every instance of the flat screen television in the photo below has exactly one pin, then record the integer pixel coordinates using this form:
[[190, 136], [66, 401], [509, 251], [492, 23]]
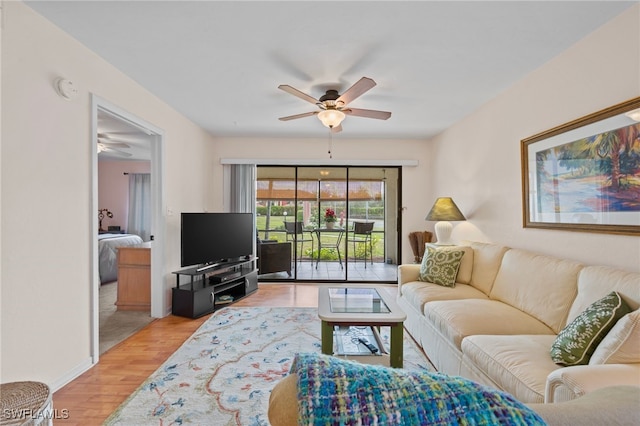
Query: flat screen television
[[209, 238]]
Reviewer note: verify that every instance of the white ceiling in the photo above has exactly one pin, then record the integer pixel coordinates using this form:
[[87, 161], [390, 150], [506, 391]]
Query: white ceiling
[[220, 63]]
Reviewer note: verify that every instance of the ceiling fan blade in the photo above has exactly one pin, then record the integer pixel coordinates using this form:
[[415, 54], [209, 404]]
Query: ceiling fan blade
[[113, 144], [336, 129], [293, 117], [368, 113], [116, 152], [360, 87], [116, 134], [296, 92], [123, 135]]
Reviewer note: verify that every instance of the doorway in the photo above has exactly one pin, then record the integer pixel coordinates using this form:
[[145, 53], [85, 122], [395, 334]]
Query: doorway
[[342, 222], [132, 146]]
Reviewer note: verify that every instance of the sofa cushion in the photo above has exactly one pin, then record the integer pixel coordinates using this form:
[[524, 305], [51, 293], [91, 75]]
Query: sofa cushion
[[595, 282], [621, 345], [541, 286], [486, 262], [466, 265], [517, 364], [457, 319], [579, 339], [418, 293], [440, 265]]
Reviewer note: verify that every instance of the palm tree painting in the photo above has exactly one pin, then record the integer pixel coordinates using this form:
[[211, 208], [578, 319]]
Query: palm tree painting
[[599, 173]]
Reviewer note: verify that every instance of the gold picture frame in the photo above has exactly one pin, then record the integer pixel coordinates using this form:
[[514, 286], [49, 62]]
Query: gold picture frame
[[585, 175]]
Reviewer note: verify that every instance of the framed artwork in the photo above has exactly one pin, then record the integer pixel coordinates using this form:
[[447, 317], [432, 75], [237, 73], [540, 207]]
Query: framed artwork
[[585, 175]]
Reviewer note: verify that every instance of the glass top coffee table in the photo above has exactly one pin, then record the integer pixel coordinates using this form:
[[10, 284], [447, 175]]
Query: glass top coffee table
[[358, 306]]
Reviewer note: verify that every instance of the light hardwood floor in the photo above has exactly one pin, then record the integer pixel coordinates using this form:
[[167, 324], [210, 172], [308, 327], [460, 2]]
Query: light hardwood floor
[[93, 396]]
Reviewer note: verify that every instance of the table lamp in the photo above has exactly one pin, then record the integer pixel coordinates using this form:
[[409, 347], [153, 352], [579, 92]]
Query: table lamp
[[444, 210]]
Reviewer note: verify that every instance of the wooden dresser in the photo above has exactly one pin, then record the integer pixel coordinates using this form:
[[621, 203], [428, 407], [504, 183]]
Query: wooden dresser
[[134, 278]]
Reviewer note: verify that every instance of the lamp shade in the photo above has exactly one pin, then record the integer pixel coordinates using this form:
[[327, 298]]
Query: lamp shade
[[331, 117], [445, 209]]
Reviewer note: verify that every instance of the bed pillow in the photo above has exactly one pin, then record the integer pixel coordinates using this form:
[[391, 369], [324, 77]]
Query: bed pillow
[[622, 344], [579, 339], [440, 265]]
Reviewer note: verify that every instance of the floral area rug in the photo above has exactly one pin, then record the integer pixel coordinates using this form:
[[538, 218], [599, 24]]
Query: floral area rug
[[223, 374]]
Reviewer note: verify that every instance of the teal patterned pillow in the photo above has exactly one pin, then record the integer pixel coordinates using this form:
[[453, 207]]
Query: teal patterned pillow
[[440, 266], [336, 391], [579, 339]]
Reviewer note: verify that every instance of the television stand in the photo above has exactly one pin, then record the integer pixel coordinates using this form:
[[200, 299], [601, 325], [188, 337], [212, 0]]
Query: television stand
[[213, 287]]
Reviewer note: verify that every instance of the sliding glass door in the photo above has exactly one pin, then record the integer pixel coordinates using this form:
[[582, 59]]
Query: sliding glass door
[[372, 241], [341, 222]]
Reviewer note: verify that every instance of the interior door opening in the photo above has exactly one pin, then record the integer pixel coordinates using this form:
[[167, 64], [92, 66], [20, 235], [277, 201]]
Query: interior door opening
[[127, 150]]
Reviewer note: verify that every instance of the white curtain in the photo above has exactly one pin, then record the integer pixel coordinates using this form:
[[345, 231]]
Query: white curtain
[[140, 205], [241, 188]]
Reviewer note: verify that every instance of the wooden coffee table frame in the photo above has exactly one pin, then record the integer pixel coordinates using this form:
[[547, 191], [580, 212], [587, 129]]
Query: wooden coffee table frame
[[393, 319]]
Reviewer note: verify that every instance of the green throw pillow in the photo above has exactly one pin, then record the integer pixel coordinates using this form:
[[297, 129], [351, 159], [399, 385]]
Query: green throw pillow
[[579, 339], [440, 266]]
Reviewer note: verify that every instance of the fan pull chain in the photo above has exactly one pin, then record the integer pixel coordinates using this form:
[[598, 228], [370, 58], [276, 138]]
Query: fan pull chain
[[330, 144]]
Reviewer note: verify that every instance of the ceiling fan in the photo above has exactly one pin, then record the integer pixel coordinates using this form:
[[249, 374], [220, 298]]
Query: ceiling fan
[[334, 106], [109, 144]]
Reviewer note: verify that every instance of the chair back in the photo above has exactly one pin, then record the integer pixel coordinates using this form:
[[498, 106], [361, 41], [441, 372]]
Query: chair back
[[293, 227], [362, 227]]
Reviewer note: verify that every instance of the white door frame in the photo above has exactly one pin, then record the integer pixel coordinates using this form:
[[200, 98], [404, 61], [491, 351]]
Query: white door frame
[[158, 226]]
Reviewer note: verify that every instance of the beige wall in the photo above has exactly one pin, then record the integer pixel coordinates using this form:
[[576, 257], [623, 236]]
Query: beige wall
[[46, 192], [113, 189], [477, 161]]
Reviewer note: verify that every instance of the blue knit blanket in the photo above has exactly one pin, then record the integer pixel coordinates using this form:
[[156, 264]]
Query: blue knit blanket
[[334, 391]]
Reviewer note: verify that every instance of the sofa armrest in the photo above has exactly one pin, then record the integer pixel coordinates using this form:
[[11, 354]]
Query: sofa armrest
[[407, 273], [617, 405], [569, 383], [283, 402]]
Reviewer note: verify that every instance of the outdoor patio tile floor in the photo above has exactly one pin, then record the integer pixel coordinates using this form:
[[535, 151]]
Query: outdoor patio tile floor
[[331, 271]]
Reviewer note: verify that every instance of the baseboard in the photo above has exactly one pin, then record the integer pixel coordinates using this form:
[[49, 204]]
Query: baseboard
[[71, 374]]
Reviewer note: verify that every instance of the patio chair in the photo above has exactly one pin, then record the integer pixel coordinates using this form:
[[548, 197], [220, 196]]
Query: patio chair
[[274, 257], [361, 234], [295, 233]]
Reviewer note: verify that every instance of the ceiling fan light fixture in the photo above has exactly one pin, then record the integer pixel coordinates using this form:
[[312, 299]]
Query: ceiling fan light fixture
[[331, 117]]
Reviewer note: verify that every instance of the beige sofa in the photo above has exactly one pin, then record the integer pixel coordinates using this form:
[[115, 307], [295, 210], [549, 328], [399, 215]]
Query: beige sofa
[[497, 325]]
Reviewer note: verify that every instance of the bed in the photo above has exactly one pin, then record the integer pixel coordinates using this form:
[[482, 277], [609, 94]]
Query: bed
[[107, 253]]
